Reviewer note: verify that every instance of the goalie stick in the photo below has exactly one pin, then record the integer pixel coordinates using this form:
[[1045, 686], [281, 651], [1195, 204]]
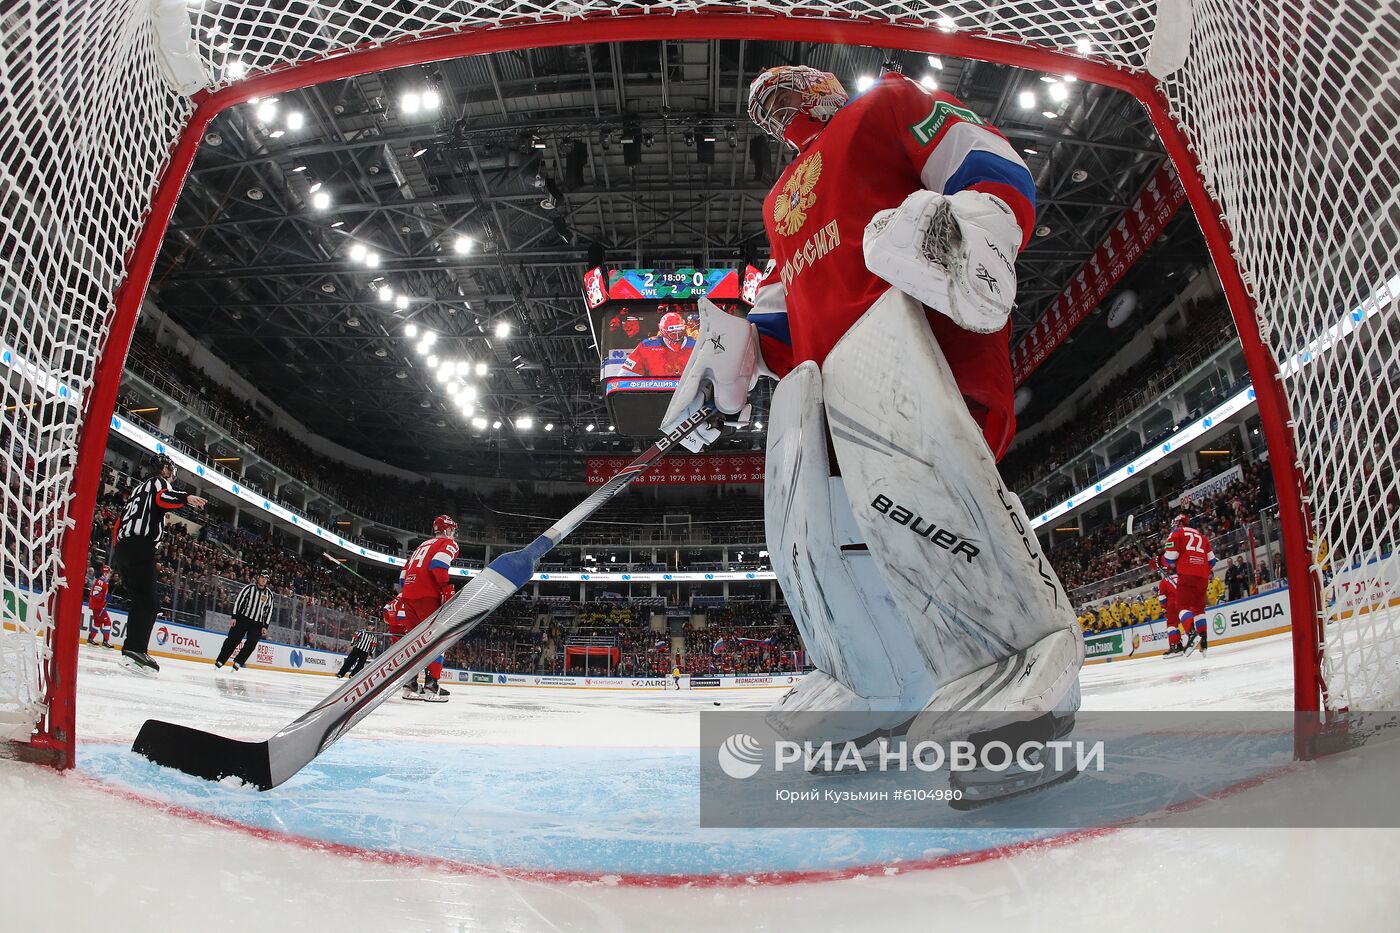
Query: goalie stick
[[267, 764]]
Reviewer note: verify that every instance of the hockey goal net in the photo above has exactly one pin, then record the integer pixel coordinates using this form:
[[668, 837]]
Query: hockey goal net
[[1282, 117]]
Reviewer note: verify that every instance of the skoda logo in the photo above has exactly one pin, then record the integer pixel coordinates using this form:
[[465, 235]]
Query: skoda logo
[[740, 756], [162, 635], [296, 658], [1218, 623]]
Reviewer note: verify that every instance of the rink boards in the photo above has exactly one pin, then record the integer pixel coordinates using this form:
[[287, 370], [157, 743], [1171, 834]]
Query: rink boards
[[1363, 590], [173, 640], [1357, 591], [1241, 620]]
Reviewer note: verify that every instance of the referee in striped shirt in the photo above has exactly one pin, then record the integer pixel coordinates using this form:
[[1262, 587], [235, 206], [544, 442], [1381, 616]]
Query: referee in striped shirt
[[252, 611], [134, 540], [360, 647]]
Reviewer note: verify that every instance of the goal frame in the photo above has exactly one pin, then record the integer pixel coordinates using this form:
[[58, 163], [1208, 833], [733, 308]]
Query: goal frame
[[55, 741]]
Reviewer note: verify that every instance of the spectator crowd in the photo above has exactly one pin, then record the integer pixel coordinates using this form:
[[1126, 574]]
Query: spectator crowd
[[736, 635], [1208, 326]]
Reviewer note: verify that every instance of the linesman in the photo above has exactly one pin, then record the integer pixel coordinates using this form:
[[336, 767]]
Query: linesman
[[361, 646], [252, 613], [135, 539]]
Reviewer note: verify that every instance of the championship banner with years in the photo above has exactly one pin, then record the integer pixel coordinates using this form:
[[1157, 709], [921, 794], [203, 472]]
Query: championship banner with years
[[683, 471], [1126, 242]]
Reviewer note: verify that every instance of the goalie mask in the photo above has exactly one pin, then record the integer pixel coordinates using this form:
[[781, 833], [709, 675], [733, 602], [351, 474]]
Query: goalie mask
[[792, 103], [672, 329]]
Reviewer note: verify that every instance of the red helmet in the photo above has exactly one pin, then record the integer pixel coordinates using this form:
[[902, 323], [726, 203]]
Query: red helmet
[[672, 326], [1182, 519], [105, 569], [444, 525]]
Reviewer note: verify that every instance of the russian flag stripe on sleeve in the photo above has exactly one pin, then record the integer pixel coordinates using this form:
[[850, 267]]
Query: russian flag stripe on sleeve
[[972, 157], [773, 324], [980, 166], [770, 318]]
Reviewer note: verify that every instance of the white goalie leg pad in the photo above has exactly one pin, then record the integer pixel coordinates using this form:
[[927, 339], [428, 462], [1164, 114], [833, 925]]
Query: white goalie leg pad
[[955, 253], [953, 545], [869, 674]]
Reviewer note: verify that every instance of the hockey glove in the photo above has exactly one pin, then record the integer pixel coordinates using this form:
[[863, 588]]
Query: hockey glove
[[954, 253], [722, 369]]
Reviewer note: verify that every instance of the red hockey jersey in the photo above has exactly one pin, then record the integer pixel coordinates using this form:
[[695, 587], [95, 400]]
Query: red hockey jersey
[[878, 149], [97, 599], [653, 357], [425, 576], [1189, 553]]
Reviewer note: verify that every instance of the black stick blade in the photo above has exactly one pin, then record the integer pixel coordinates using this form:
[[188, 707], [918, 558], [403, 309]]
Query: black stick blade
[[204, 754]]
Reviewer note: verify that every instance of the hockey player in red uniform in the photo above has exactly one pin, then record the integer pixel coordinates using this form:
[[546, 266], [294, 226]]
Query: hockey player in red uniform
[[1166, 591], [886, 319], [1189, 554], [390, 612], [627, 322], [97, 602], [424, 585], [664, 355]]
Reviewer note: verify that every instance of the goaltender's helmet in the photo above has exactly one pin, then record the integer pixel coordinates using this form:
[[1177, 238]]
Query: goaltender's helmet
[[821, 96], [444, 525], [672, 327]]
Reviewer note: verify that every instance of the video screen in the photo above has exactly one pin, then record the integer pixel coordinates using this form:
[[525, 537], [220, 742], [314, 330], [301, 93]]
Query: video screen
[[646, 322], [649, 339]]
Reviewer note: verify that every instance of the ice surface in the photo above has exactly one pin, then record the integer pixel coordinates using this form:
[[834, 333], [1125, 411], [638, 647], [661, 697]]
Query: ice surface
[[523, 809]]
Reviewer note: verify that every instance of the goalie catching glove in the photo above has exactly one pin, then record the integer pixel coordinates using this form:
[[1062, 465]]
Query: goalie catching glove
[[954, 253], [723, 368]]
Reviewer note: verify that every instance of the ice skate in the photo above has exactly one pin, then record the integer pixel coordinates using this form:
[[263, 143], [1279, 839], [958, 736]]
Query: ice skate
[[138, 662], [432, 692], [822, 709], [1021, 688], [983, 786]]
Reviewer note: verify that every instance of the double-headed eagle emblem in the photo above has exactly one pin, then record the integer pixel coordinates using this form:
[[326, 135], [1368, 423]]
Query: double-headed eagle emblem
[[791, 207]]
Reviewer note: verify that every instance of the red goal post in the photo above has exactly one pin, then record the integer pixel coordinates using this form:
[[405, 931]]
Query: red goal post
[[1281, 119]]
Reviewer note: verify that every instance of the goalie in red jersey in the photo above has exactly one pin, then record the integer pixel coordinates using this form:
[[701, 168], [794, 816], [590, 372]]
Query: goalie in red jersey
[[663, 356], [885, 319], [424, 585]]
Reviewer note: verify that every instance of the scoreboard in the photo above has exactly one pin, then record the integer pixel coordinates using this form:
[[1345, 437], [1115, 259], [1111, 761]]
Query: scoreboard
[[645, 322]]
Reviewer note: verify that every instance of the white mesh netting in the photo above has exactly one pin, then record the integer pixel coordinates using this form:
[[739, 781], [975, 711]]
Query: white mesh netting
[[1292, 109]]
